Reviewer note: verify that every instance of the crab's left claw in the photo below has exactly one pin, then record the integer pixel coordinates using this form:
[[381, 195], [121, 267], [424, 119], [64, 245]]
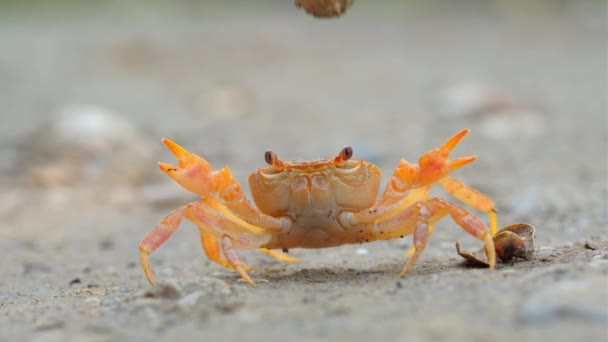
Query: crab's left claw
[[448, 146], [192, 171], [436, 164]]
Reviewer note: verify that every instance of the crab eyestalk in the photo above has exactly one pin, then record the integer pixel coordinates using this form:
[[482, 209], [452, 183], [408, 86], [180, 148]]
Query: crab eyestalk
[[192, 171], [345, 154], [273, 160]]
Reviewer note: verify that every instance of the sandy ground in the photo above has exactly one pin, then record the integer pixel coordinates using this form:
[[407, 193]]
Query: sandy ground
[[228, 83]]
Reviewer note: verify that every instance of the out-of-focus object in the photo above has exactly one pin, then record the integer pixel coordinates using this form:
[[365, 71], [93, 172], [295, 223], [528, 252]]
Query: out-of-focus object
[[324, 8], [228, 103], [470, 98], [514, 241], [497, 114], [84, 145], [513, 122]]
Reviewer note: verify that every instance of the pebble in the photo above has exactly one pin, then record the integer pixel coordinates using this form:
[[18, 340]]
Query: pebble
[[361, 251], [590, 245], [599, 261], [92, 301], [190, 299], [109, 303], [584, 299], [168, 289], [48, 323], [50, 336], [338, 310]]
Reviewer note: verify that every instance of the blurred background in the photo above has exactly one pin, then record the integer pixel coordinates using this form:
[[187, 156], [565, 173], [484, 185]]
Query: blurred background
[[88, 89]]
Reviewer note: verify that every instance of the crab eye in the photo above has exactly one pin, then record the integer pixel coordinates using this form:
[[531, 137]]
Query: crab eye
[[269, 156], [346, 153]]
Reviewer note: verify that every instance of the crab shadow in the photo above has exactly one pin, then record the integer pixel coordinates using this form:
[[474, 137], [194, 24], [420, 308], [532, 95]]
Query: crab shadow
[[382, 272]]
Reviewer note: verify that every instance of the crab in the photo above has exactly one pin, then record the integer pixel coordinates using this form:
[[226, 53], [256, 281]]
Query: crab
[[319, 203]]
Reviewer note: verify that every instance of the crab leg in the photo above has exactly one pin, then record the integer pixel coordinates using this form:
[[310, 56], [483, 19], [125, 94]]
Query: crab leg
[[211, 246], [418, 219], [235, 259], [278, 255], [434, 210], [215, 222], [233, 232], [157, 237], [415, 195], [472, 198]]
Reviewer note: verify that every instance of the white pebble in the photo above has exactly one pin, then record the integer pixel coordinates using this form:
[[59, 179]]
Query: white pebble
[[190, 299], [361, 251], [93, 301]]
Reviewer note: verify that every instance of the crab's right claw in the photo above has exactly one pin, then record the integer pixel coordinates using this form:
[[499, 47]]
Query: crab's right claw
[[191, 172]]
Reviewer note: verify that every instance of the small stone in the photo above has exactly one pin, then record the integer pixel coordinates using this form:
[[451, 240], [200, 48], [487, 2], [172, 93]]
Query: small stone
[[34, 267], [590, 245], [228, 306], [339, 310], [109, 303], [98, 328], [361, 251], [190, 299], [74, 281], [308, 299], [92, 301], [168, 290], [49, 324], [106, 244]]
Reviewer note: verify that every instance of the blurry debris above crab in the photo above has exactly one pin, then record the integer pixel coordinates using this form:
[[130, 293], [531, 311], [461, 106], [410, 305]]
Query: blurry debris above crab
[[324, 8], [514, 241]]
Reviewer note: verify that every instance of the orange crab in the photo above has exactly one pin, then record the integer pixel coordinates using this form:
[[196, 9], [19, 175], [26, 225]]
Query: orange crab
[[318, 203]]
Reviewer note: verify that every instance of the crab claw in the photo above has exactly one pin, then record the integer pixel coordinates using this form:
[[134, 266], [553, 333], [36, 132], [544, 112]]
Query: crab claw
[[191, 172], [436, 164], [449, 145]]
